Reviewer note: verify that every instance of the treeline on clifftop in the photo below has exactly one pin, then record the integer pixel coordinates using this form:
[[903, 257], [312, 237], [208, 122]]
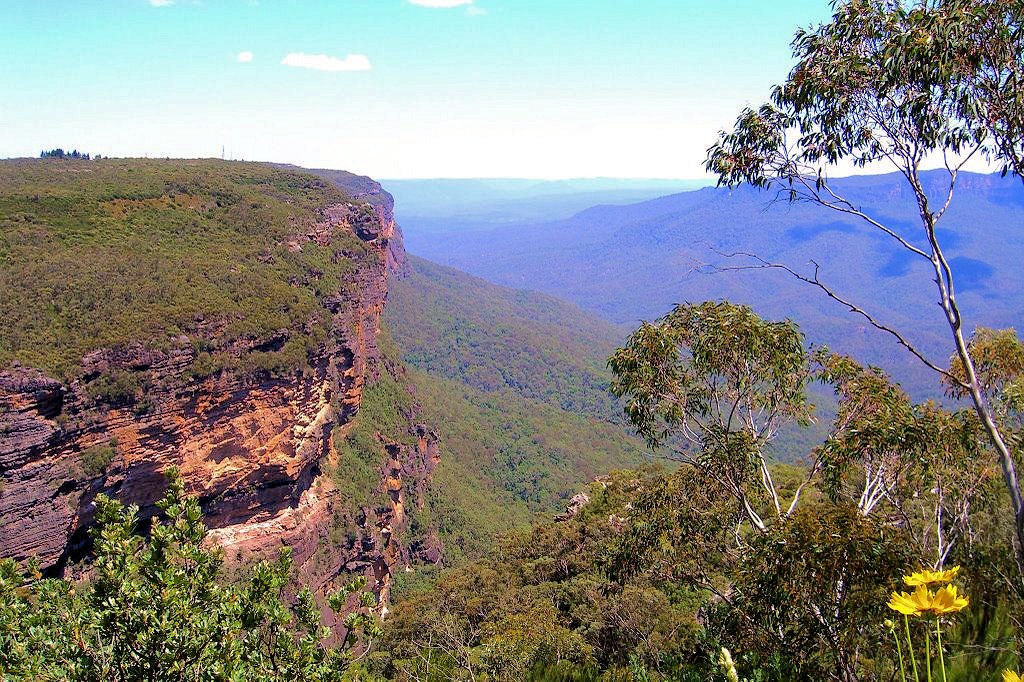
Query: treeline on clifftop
[[58, 153], [105, 253]]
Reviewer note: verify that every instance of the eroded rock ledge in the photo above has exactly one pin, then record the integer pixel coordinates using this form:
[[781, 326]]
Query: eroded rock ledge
[[250, 445]]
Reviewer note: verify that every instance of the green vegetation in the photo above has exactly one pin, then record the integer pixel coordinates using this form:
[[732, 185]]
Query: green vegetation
[[59, 153], [503, 457], [159, 609], [541, 599], [791, 568], [97, 458], [898, 84], [116, 388], [493, 339], [730, 566], [104, 253]]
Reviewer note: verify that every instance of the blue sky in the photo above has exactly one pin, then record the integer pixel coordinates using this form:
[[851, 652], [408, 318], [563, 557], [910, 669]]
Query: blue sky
[[394, 88]]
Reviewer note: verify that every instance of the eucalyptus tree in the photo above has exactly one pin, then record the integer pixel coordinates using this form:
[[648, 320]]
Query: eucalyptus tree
[[716, 383], [918, 466], [901, 85], [799, 560]]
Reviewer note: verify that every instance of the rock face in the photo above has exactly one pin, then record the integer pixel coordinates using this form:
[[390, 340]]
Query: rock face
[[252, 446]]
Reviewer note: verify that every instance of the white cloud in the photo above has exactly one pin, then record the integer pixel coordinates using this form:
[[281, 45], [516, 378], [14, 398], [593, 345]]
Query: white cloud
[[245, 56], [161, 3], [323, 62], [441, 3]]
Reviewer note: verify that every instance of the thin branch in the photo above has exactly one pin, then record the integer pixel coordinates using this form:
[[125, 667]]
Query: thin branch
[[843, 205], [854, 308], [800, 488]]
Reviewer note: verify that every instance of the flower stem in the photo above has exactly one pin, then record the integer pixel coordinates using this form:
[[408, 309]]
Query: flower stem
[[910, 649], [938, 638], [928, 652], [899, 650]]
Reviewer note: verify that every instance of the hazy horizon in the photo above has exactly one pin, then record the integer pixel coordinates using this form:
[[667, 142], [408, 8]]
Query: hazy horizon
[[399, 89]]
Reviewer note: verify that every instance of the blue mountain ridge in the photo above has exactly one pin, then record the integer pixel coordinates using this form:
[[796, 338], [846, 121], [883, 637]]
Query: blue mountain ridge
[[635, 261]]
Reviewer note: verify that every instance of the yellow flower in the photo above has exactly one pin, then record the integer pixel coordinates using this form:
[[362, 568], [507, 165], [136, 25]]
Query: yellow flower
[[725, 660], [924, 602], [946, 600], [1010, 676], [928, 577], [911, 604]]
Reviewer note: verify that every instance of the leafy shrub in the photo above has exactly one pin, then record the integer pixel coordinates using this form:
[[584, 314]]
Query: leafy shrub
[[97, 458], [117, 388], [160, 609]]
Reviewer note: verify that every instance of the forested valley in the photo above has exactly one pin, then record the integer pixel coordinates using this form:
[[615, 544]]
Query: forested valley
[[244, 435]]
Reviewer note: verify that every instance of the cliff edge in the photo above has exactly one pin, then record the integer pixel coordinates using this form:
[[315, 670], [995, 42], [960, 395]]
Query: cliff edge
[[228, 316]]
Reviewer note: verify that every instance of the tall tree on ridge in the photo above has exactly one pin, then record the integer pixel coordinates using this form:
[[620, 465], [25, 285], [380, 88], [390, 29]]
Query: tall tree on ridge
[[900, 84]]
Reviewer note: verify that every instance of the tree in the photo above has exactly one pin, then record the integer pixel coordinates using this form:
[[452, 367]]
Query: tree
[[919, 465], [721, 382], [157, 608], [898, 84], [798, 560]]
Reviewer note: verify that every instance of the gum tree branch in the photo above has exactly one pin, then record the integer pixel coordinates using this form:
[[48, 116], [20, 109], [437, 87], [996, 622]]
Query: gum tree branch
[[815, 281]]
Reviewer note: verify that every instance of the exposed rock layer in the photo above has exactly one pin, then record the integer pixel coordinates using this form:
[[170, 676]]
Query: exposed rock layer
[[250, 445]]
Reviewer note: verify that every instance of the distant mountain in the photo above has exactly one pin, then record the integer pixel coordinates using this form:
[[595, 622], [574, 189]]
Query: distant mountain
[[636, 261], [426, 207]]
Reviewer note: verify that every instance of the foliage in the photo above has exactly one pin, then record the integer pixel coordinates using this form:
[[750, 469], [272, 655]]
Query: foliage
[[998, 357], [503, 457], [59, 153], [723, 381], [896, 83], [104, 253], [496, 339], [541, 600], [97, 458], [116, 388], [711, 370], [920, 462], [158, 608], [882, 81], [798, 586], [814, 590]]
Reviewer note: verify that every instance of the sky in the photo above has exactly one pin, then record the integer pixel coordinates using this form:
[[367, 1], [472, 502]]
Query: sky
[[394, 88]]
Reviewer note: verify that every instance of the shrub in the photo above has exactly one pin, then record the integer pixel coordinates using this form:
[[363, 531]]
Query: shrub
[[117, 388], [97, 458], [158, 608]]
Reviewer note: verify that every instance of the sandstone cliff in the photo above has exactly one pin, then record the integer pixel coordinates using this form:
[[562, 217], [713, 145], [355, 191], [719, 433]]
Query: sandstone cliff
[[253, 445]]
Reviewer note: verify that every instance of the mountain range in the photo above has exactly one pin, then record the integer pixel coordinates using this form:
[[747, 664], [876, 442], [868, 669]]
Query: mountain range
[[632, 262]]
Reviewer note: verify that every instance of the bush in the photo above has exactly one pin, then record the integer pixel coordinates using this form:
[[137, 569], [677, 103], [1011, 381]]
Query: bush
[[96, 459], [117, 389], [158, 608]]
